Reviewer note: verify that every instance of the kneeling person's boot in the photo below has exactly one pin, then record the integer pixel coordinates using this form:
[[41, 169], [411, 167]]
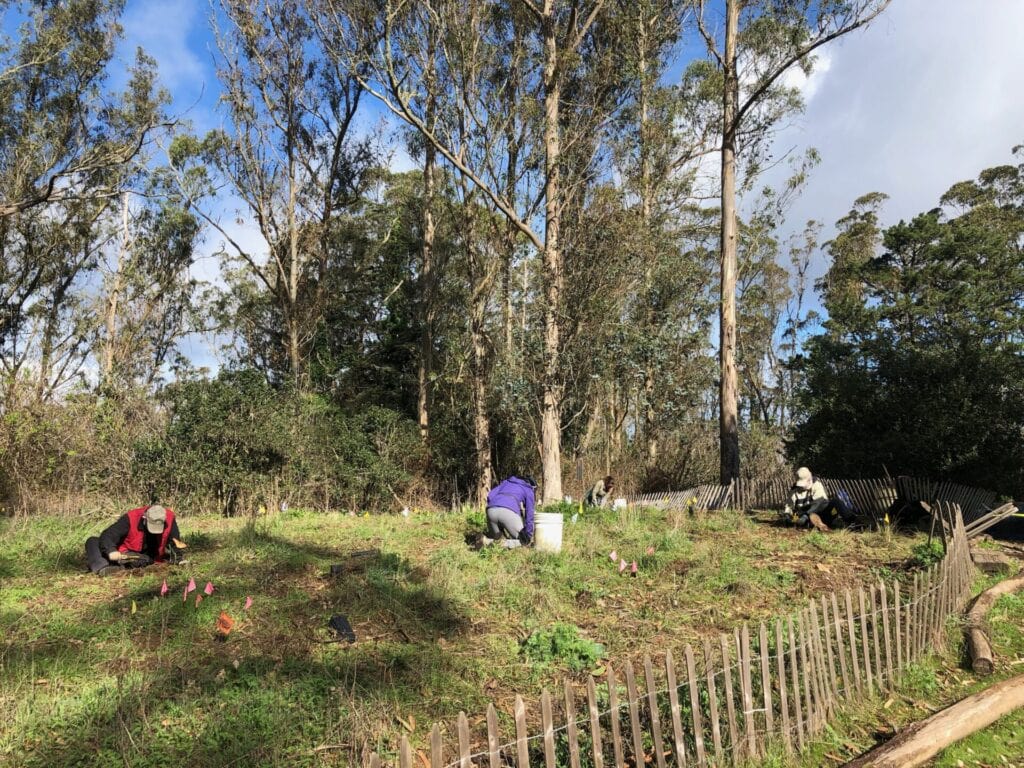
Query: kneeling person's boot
[[818, 523]]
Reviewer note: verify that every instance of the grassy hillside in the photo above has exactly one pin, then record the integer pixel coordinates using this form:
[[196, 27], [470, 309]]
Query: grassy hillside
[[103, 671]]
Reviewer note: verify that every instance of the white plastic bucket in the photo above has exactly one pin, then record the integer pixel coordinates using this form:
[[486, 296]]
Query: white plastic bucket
[[547, 534]]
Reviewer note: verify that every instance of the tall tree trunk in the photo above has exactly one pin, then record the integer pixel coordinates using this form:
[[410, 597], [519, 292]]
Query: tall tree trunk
[[728, 422], [427, 309], [481, 419], [551, 416], [113, 298], [646, 206]]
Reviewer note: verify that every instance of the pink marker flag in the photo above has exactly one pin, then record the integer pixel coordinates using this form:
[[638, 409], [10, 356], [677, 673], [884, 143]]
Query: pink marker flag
[[208, 589], [613, 556], [632, 568], [622, 566], [164, 589], [650, 550], [248, 602]]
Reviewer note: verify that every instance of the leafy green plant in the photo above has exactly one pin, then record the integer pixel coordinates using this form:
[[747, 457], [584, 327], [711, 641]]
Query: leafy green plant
[[926, 554], [562, 643]]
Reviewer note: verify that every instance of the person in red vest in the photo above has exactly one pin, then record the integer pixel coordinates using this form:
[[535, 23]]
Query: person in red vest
[[140, 537]]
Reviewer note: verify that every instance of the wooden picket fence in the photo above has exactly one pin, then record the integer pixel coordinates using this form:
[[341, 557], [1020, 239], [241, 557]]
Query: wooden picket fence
[[730, 700], [870, 497]]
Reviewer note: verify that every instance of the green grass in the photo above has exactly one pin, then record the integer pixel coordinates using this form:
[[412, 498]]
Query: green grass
[[85, 681]]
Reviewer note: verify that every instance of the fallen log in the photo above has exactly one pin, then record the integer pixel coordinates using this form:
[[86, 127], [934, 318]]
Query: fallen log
[[978, 644], [918, 743]]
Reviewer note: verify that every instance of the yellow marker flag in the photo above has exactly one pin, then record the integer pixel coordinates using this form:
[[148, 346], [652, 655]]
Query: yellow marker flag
[[134, 608]]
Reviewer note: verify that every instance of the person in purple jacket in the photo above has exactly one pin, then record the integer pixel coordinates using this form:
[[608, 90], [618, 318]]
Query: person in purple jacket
[[510, 510]]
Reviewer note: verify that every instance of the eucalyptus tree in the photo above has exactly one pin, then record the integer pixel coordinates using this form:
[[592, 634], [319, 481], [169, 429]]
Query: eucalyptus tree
[[290, 159], [748, 55], [376, 40], [57, 142]]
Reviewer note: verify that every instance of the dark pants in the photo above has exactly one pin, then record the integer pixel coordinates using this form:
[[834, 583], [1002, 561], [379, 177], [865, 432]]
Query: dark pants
[[98, 562], [95, 558], [821, 508]]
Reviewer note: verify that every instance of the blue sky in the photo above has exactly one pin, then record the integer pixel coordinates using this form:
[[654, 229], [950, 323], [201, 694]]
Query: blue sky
[[927, 96]]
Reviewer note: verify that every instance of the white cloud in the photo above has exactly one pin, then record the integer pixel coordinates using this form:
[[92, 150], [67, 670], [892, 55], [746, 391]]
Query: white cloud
[[927, 96]]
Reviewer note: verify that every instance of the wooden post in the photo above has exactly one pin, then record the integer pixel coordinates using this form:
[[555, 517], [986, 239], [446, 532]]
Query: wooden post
[[865, 647], [876, 642], [840, 647], [896, 599], [826, 681], [493, 742], [548, 724], [805, 672], [436, 749], [780, 670], [465, 758], [595, 722], [826, 628], [522, 737], [766, 680], [730, 705], [613, 703], [634, 714], [887, 635], [748, 696], [652, 706], [852, 634], [570, 727], [404, 753], [716, 728], [794, 675], [673, 702], [698, 725]]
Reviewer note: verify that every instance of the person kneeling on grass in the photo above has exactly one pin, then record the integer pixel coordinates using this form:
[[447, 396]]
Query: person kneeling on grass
[[140, 537], [808, 502], [510, 507], [601, 493]]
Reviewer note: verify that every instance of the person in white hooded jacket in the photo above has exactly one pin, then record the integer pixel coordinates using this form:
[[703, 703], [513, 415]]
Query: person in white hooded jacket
[[808, 502]]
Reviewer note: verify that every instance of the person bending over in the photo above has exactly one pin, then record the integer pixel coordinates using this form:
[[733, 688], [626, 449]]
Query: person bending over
[[808, 501], [601, 493], [510, 506], [138, 538]]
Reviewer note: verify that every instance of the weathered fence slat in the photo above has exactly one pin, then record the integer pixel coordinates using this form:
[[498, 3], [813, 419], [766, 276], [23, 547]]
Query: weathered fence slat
[[766, 680], [780, 670], [826, 628], [794, 674], [493, 742], [522, 737], [897, 640], [814, 672], [404, 753], [595, 722], [865, 645], [548, 724], [633, 701], [374, 761], [613, 703], [698, 724], [570, 726], [840, 645], [730, 700], [805, 672], [673, 702], [436, 748], [716, 729], [876, 642], [748, 694], [465, 756], [821, 661], [852, 636], [652, 708]]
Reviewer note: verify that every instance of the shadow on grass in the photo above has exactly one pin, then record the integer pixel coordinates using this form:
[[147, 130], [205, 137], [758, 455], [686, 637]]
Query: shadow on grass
[[183, 700]]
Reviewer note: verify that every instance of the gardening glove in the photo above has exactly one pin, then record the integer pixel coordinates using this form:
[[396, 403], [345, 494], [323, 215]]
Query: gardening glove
[[114, 556], [136, 560], [525, 538]]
